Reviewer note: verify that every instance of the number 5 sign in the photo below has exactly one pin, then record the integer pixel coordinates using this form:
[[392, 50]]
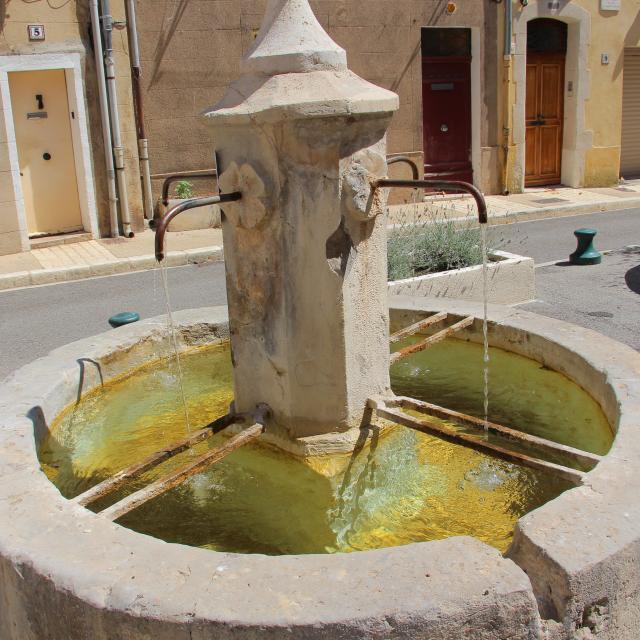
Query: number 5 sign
[[36, 32]]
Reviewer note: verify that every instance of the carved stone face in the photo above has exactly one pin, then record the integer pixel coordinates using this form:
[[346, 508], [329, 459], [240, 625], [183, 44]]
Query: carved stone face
[[250, 210], [361, 201]]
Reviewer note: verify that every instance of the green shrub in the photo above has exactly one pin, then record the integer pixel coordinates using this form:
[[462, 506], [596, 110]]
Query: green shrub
[[432, 243], [184, 190]]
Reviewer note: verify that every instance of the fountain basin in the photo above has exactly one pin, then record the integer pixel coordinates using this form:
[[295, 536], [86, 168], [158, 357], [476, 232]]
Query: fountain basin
[[67, 573]]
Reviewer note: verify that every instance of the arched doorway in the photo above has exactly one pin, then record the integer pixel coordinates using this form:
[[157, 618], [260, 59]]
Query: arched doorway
[[544, 110]]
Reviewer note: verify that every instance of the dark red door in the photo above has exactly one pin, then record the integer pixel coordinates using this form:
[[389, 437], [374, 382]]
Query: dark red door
[[446, 105]]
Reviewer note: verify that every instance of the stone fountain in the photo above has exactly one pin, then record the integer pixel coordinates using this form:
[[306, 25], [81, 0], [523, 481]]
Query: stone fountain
[[303, 139], [301, 147]]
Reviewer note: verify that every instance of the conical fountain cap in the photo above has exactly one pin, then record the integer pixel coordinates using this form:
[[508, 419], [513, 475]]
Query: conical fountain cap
[[291, 40]]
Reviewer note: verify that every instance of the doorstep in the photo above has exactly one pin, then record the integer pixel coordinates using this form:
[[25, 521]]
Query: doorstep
[[42, 242]]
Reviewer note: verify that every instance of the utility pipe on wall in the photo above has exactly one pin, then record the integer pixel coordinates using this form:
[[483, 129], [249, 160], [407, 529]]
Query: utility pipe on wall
[[112, 93], [105, 120], [143, 144], [506, 125]]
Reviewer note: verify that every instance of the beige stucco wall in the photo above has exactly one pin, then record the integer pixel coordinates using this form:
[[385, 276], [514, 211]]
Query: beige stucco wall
[[190, 57], [610, 33], [593, 111], [67, 30]]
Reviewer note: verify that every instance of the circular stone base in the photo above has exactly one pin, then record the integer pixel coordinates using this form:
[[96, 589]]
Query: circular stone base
[[69, 574]]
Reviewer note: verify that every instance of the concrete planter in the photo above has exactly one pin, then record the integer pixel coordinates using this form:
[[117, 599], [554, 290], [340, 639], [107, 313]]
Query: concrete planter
[[511, 280], [198, 218]]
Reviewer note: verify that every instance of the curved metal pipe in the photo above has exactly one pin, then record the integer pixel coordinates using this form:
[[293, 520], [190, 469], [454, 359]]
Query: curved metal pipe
[[163, 223], [169, 180], [406, 160], [443, 185]]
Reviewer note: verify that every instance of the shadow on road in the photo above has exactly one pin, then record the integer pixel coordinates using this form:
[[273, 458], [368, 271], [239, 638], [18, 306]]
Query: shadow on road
[[632, 278]]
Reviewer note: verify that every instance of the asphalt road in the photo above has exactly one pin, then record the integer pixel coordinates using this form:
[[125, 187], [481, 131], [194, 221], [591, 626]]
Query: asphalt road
[[552, 239], [604, 297], [36, 320]]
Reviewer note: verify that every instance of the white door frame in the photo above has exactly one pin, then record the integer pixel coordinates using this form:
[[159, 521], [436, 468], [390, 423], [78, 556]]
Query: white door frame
[[71, 64], [576, 139]]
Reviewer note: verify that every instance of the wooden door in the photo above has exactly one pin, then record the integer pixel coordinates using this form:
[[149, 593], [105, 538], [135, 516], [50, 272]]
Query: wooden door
[[544, 118], [45, 151], [446, 104]]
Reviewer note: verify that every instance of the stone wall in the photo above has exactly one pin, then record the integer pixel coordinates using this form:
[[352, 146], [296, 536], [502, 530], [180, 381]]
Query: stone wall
[[191, 51]]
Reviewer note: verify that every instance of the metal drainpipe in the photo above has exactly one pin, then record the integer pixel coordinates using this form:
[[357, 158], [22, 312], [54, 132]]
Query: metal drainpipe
[[508, 43], [143, 144], [118, 149], [106, 123]]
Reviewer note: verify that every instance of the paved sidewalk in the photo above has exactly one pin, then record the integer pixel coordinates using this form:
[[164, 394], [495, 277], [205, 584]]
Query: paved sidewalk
[[67, 262], [535, 204], [108, 256]]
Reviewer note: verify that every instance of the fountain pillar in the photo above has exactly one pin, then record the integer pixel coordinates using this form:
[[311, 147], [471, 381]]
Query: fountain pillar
[[302, 138]]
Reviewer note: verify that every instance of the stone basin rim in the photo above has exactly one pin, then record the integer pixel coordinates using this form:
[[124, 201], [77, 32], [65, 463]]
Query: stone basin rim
[[56, 546]]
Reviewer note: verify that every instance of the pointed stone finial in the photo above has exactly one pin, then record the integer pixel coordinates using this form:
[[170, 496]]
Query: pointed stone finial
[[291, 40]]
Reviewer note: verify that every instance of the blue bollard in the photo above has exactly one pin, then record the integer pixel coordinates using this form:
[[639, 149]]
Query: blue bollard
[[126, 317], [586, 253]]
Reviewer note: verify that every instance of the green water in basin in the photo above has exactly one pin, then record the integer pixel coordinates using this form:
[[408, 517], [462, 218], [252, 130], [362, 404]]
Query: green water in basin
[[405, 487]]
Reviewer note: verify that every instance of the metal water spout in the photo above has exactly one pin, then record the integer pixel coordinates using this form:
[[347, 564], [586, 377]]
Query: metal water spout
[[161, 225]]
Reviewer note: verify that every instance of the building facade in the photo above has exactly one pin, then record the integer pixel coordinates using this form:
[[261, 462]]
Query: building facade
[[572, 90], [430, 52], [507, 94], [53, 175]]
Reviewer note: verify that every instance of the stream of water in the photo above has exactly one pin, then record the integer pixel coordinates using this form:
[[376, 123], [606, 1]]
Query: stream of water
[[485, 322], [171, 328]]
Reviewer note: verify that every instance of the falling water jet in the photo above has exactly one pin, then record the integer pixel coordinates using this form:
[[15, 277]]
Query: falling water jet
[[485, 322], [171, 329]]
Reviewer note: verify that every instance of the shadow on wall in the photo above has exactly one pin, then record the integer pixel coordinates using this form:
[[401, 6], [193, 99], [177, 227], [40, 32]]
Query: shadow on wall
[[165, 37], [3, 14], [437, 13]]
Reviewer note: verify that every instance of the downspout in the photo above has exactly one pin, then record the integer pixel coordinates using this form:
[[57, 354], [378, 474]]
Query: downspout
[[112, 94], [104, 117], [506, 130], [138, 105]]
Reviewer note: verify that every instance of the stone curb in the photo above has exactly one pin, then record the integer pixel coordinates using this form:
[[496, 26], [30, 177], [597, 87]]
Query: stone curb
[[561, 211], [38, 277], [543, 213]]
